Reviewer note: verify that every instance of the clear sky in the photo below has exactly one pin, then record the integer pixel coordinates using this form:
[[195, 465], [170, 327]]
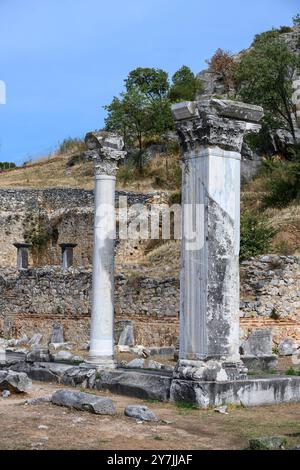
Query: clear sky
[[62, 60]]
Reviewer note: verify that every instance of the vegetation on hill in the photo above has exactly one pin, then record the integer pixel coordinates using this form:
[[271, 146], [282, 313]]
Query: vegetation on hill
[[265, 76], [143, 110], [7, 165], [270, 220]]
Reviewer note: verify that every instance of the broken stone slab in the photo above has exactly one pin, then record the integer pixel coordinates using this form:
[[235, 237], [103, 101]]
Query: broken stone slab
[[140, 412], [158, 366], [287, 347], [38, 355], [260, 362], [14, 356], [15, 382], [138, 384], [79, 376], [124, 333], [62, 356], [57, 335], [84, 402], [47, 371], [259, 343], [55, 346], [22, 341], [136, 364], [268, 443], [38, 400], [35, 340], [141, 351], [162, 351]]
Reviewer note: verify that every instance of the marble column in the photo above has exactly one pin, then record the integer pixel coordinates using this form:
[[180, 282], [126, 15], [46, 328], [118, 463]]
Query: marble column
[[211, 134], [67, 254], [106, 151], [22, 254]]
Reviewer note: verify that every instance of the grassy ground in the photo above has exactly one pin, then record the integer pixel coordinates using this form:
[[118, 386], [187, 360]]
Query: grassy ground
[[183, 428]]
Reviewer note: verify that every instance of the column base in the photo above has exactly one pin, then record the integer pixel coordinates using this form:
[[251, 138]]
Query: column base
[[209, 370], [99, 363]]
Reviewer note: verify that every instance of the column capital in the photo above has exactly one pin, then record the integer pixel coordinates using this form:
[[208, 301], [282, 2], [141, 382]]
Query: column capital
[[215, 122], [106, 149]]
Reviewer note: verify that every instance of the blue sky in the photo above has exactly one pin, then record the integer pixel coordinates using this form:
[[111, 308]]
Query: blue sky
[[62, 60]]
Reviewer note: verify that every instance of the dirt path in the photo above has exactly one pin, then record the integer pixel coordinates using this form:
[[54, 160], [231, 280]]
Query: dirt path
[[186, 429]]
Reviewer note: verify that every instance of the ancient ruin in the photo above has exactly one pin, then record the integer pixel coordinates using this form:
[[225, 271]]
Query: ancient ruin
[[106, 150]]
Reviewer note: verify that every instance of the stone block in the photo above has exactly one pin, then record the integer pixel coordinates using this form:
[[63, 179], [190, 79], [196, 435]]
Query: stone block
[[142, 413], [249, 392], [259, 343], [287, 347], [84, 402], [16, 382], [138, 384], [260, 362], [57, 335]]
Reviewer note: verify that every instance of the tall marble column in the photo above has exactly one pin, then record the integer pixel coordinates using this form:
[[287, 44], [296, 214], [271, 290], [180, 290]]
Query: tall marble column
[[211, 134], [106, 151]]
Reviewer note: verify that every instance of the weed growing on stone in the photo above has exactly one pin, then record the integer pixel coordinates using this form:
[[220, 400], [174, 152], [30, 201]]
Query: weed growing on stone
[[185, 406], [292, 371]]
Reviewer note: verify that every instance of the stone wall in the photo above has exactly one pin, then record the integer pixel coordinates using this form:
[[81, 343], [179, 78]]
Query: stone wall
[[270, 296], [49, 217], [30, 301]]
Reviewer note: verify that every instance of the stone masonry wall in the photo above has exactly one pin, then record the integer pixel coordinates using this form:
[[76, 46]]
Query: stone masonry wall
[[30, 301], [48, 217]]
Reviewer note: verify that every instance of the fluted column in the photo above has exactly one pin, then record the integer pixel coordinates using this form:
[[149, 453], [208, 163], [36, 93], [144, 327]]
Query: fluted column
[[106, 151], [211, 134]]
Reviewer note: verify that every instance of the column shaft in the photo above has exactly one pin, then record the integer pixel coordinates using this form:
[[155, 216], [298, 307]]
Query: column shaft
[[102, 325], [209, 313]]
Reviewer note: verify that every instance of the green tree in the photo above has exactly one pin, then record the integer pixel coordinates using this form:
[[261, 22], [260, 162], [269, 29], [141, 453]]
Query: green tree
[[185, 85], [296, 20], [265, 77], [152, 83], [143, 110], [130, 115]]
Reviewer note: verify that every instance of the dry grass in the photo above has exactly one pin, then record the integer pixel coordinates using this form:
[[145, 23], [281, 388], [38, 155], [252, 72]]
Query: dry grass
[[161, 173], [49, 172]]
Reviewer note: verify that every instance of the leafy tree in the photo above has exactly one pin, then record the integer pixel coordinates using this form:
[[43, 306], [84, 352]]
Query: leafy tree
[[184, 85], [152, 83], [265, 76], [143, 110], [222, 62], [7, 165], [296, 20], [130, 115]]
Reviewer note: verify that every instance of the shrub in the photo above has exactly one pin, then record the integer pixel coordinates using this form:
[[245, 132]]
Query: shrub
[[71, 145], [283, 181], [127, 174], [256, 235], [275, 315]]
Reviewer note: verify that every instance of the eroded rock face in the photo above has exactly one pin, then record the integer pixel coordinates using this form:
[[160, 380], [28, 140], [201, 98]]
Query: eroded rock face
[[15, 382], [84, 402]]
